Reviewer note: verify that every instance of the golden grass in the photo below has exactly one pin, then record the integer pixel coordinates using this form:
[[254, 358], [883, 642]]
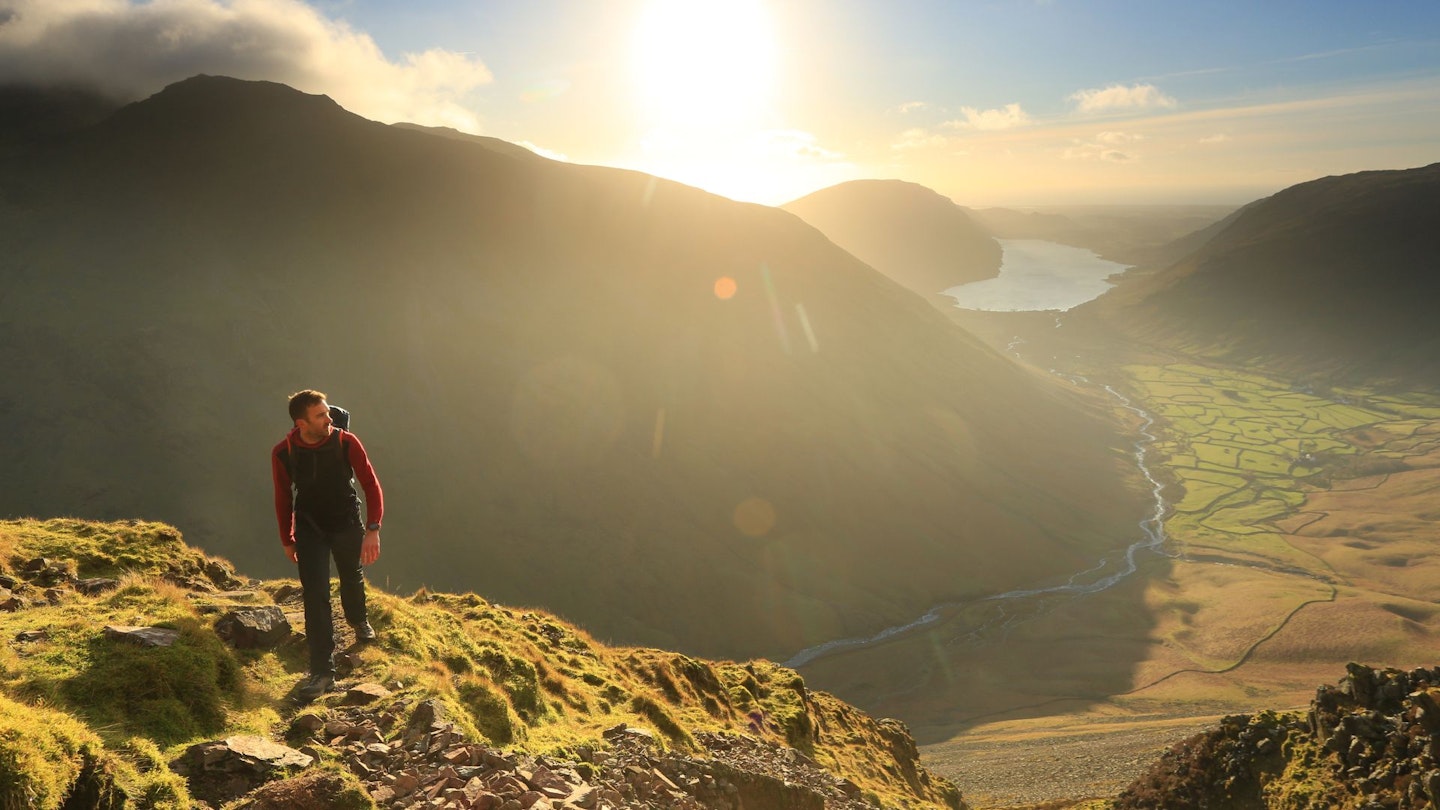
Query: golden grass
[[518, 678]]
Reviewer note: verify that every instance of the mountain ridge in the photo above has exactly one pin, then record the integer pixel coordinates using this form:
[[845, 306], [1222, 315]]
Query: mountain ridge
[[1326, 278]]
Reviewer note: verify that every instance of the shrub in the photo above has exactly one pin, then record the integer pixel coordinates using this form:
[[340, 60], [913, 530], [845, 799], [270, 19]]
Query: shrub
[[47, 756], [489, 711], [169, 694]]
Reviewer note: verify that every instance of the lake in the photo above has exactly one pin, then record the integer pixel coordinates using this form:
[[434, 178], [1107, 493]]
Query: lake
[[1038, 275]]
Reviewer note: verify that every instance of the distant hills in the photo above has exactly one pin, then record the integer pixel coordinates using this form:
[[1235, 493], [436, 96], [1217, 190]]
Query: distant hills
[[1332, 279], [906, 231], [566, 404]]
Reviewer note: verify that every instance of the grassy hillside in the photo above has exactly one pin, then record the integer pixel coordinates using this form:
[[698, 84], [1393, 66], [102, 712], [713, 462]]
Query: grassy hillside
[[80, 711], [561, 408], [1329, 279]]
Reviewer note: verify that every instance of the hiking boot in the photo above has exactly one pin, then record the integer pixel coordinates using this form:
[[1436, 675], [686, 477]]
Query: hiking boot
[[315, 687], [364, 633]]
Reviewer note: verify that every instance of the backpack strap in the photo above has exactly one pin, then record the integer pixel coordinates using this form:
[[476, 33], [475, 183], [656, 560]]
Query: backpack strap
[[290, 464], [344, 455]]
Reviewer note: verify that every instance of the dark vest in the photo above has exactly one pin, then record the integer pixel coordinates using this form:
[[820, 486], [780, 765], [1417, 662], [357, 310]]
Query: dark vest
[[322, 482]]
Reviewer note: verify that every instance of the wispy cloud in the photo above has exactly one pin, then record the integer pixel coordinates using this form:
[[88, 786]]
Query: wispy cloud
[[1116, 138], [1216, 138], [919, 138], [1008, 117], [548, 153], [796, 143], [912, 106], [128, 49], [1120, 97], [1096, 150]]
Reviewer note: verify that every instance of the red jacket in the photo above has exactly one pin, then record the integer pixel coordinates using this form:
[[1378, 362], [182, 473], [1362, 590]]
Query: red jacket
[[359, 465]]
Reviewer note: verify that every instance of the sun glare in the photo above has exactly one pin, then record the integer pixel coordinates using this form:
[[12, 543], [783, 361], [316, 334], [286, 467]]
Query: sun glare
[[698, 63]]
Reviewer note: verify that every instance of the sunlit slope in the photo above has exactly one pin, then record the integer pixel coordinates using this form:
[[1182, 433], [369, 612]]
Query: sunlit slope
[[906, 231], [562, 410], [78, 706], [1330, 277]]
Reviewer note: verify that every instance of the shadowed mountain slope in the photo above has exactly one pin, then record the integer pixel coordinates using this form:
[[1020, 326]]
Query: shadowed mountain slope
[[1335, 277], [561, 409], [906, 231]]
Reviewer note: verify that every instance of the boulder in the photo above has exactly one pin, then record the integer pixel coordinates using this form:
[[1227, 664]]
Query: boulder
[[96, 585], [364, 693], [253, 628], [220, 771], [144, 636]]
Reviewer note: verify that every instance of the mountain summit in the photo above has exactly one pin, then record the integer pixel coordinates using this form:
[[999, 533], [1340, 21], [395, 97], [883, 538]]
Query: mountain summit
[[906, 231]]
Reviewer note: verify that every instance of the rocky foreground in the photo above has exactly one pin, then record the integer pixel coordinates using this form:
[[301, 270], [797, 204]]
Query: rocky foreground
[[140, 673], [1370, 743], [429, 765]]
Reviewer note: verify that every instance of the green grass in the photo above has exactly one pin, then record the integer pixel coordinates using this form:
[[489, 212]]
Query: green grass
[[74, 701]]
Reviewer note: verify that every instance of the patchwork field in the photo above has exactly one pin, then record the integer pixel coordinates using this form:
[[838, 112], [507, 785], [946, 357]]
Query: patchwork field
[[1300, 536], [1332, 493]]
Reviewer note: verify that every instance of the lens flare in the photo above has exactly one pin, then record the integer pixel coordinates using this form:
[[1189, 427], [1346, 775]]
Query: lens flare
[[754, 517], [725, 288]]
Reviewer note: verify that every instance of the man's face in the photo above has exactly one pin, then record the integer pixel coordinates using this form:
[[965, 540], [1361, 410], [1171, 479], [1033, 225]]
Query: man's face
[[316, 424]]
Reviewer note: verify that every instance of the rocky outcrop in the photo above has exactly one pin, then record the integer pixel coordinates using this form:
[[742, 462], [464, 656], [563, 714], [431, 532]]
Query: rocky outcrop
[[426, 763], [221, 770], [1371, 742]]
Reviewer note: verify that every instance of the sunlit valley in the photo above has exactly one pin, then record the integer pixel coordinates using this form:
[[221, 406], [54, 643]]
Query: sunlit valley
[[1090, 496]]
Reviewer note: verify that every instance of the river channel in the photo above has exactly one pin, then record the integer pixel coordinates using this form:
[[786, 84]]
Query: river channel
[[1002, 611]]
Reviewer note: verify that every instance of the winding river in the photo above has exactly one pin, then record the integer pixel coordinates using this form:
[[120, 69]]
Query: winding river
[[1004, 610]]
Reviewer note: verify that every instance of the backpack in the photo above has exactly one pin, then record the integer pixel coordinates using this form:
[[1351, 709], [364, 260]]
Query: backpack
[[340, 418]]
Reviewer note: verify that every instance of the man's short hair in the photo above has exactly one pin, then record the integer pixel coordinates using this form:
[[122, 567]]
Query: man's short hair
[[302, 401]]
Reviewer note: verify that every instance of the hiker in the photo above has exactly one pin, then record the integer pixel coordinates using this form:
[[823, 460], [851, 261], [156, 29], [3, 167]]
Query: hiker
[[319, 519]]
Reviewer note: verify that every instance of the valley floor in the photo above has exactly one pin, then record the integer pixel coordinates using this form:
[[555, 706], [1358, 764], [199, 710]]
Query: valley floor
[[1027, 762], [1298, 536]]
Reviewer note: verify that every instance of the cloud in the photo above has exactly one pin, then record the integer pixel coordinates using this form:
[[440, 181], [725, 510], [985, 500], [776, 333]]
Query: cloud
[[919, 139], [127, 50], [1008, 117], [1218, 138], [912, 106], [1118, 97], [546, 153], [1097, 150], [795, 143], [1116, 138]]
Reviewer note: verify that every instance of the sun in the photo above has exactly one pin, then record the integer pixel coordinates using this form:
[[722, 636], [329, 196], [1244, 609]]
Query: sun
[[698, 63]]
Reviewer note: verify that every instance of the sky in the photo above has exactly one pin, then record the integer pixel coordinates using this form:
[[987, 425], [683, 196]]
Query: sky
[[989, 102]]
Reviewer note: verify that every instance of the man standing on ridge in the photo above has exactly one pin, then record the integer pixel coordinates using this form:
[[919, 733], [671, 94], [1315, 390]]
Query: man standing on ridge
[[319, 514]]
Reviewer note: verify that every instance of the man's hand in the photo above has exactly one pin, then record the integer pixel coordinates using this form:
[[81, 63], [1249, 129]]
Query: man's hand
[[290, 552], [370, 548]]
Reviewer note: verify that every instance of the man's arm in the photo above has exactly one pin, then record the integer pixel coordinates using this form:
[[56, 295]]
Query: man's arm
[[284, 503], [374, 499]]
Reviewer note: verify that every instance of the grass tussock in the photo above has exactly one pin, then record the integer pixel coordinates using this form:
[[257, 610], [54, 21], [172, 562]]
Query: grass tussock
[[513, 677]]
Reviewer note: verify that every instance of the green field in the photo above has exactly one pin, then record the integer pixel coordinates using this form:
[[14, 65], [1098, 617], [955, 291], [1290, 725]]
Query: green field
[[1245, 451]]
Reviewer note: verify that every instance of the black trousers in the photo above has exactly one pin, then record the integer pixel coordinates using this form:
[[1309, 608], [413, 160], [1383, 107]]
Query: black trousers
[[314, 548]]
